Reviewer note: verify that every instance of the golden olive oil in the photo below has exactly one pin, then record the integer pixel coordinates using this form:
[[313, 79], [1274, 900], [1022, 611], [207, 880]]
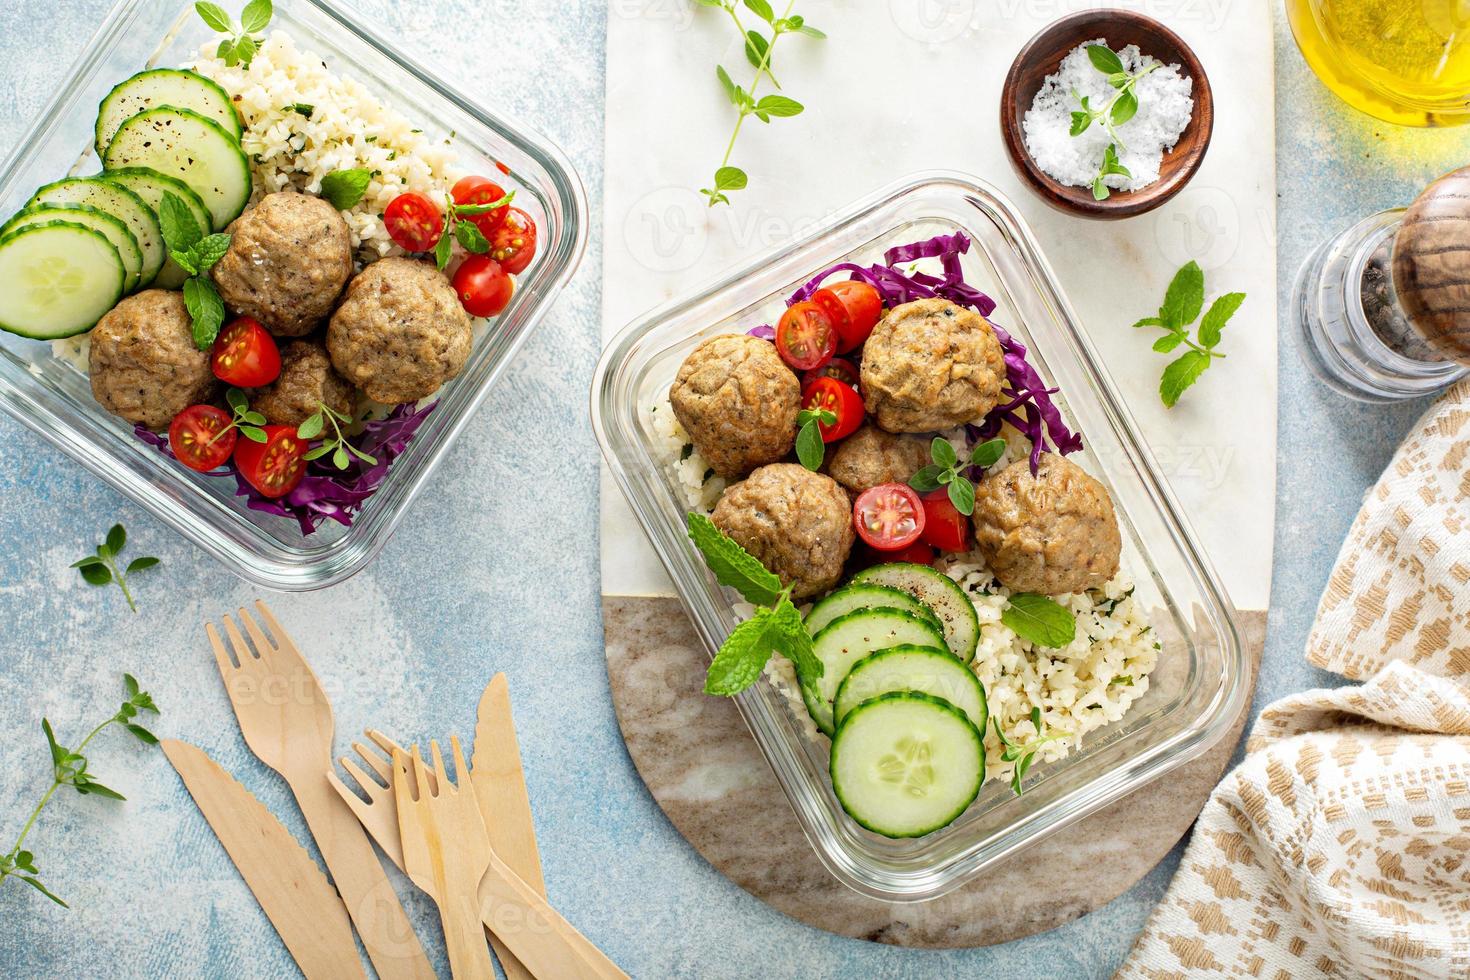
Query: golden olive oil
[[1405, 61]]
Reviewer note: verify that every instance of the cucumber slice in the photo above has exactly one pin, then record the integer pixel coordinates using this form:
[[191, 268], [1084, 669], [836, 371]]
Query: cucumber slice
[[160, 87], [852, 597], [57, 280], [940, 593], [150, 185], [110, 228], [907, 764], [923, 669], [118, 202], [183, 144], [850, 638]]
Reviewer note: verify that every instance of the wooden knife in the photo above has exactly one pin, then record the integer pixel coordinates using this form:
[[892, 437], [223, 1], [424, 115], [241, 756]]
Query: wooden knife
[[291, 889]]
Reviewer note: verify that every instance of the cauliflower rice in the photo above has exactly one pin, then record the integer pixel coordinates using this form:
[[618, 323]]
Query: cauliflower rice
[[1079, 688]]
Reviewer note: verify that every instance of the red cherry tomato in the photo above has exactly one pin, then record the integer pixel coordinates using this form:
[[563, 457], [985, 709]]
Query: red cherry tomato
[[805, 338], [201, 437], [861, 305], [413, 222], [838, 368], [276, 466], [944, 526], [831, 395], [514, 241], [837, 313], [483, 287], [917, 553], [245, 355], [889, 517], [481, 190]]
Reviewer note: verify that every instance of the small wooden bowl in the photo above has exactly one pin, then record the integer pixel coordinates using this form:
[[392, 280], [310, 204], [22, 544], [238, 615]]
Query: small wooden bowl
[[1042, 56]]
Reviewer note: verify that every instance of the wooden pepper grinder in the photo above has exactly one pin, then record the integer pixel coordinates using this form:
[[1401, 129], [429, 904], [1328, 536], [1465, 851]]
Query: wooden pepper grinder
[[1431, 265]]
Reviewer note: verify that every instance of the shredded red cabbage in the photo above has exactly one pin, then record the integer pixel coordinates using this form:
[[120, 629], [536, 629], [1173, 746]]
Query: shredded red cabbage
[[326, 493], [1029, 407]]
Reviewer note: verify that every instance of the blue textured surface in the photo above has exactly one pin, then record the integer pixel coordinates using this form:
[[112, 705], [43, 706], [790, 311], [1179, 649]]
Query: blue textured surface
[[496, 569]]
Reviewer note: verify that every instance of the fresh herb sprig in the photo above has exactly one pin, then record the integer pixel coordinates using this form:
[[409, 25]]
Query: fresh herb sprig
[[244, 39], [195, 253], [810, 448], [467, 233], [1183, 301], [1040, 619], [245, 419], [69, 768], [336, 443], [948, 471], [776, 625], [101, 568], [758, 49], [342, 189], [1024, 754], [1122, 107]]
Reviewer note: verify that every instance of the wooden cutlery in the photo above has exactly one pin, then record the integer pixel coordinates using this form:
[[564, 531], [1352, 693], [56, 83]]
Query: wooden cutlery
[[287, 721]]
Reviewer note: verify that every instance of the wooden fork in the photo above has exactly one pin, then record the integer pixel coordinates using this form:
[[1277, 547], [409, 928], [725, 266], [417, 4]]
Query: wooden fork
[[379, 814], [287, 721]]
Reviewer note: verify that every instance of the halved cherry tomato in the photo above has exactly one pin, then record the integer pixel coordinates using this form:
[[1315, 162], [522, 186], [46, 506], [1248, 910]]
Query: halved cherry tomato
[[944, 526], [276, 466], [482, 285], [889, 517], [481, 190], [838, 368], [201, 437], [514, 241], [831, 395], [861, 305], [413, 222], [805, 338], [245, 355]]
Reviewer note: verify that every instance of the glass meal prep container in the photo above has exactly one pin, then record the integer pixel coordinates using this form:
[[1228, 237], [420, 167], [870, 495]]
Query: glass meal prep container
[[54, 398], [1196, 691]]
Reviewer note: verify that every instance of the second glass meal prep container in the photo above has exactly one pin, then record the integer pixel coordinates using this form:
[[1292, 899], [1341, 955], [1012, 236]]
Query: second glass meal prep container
[[1200, 684], [53, 398]]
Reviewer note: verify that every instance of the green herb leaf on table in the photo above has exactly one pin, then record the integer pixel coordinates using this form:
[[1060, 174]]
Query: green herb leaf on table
[[1041, 620], [1185, 296], [1183, 301], [100, 568], [733, 565], [343, 189]]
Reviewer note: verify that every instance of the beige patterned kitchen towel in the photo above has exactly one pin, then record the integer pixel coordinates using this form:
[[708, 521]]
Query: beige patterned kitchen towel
[[1340, 847]]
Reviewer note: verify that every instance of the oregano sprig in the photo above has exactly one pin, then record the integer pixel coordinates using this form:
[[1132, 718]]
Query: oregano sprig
[[335, 443], [69, 768], [1183, 301], [244, 40], [1122, 107], [467, 233], [100, 568], [948, 471], [1023, 754], [811, 449], [758, 50]]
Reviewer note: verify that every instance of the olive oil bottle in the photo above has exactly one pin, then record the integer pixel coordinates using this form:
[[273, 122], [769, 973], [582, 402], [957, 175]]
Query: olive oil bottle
[[1404, 61]]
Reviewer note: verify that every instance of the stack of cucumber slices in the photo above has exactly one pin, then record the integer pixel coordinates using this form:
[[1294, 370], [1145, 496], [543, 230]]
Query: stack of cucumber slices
[[82, 243], [905, 713]]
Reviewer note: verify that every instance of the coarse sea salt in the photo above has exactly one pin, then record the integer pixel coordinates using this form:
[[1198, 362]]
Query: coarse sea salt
[[1164, 110]]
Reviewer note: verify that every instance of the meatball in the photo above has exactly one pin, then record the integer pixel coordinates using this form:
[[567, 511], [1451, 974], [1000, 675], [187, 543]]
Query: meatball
[[931, 365], [288, 260], [144, 364], [307, 381], [400, 332], [796, 522], [1052, 533], [738, 400], [871, 456]]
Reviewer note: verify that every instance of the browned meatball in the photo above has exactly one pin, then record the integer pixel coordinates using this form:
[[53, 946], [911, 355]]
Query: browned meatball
[[1052, 533], [931, 365], [307, 381], [289, 258], [871, 456], [400, 332], [738, 400], [798, 523], [144, 364]]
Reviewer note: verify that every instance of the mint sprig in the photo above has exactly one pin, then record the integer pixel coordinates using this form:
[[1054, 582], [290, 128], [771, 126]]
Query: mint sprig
[[69, 768], [195, 253], [101, 567], [948, 471], [1183, 301], [1023, 754], [776, 625], [244, 39]]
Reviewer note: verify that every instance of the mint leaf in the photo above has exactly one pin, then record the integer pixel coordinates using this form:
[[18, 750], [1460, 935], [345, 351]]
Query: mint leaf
[[733, 565], [1219, 313], [1039, 619], [214, 16], [205, 309], [1168, 342], [1104, 60], [742, 656], [1184, 297], [343, 189], [208, 251], [795, 643], [471, 238], [180, 231], [1180, 374]]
